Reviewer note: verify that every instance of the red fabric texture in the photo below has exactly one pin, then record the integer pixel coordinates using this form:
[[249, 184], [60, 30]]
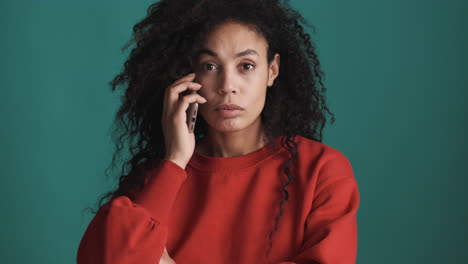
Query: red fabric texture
[[222, 210]]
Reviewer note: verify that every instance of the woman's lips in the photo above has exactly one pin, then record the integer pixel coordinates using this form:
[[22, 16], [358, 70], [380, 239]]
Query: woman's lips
[[229, 113]]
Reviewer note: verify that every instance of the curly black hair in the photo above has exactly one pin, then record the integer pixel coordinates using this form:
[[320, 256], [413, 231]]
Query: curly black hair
[[165, 43]]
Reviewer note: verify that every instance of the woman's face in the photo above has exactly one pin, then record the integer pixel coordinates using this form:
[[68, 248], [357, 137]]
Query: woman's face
[[232, 68]]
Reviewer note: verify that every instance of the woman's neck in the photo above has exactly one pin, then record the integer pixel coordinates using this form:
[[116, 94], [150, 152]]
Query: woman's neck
[[230, 147]]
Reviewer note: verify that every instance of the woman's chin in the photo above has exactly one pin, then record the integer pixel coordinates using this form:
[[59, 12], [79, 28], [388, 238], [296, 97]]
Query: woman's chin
[[227, 125]]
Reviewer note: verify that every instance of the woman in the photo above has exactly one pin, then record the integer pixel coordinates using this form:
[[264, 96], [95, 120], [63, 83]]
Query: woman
[[251, 185]]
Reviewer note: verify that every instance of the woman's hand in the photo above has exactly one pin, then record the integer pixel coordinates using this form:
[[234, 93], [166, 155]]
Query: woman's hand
[[179, 142], [165, 259]]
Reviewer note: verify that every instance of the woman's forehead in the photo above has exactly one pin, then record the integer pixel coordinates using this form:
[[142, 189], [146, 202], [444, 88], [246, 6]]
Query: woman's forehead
[[208, 52], [233, 40]]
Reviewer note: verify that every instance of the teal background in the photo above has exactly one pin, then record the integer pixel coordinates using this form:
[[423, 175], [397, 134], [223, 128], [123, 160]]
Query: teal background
[[397, 80]]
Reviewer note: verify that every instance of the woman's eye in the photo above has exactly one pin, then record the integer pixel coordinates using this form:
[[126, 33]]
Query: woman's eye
[[207, 66], [248, 64]]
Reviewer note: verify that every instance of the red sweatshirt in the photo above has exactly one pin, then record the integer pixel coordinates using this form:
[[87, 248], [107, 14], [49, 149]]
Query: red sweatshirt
[[221, 210]]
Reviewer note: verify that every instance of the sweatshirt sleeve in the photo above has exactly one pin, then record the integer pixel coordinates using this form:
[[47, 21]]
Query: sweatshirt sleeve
[[126, 231], [331, 225]]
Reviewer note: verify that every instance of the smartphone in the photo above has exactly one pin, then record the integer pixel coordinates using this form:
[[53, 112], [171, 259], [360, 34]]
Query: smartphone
[[192, 115], [192, 110]]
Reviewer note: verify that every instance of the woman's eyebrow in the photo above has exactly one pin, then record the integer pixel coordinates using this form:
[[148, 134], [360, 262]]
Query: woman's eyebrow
[[212, 53]]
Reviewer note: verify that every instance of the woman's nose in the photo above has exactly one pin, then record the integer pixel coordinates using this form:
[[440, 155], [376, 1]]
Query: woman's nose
[[227, 82]]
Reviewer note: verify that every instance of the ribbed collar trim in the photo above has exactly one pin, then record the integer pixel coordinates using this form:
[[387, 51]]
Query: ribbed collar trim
[[219, 164]]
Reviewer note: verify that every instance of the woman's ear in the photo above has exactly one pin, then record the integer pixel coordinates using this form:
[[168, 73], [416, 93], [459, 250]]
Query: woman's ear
[[273, 69]]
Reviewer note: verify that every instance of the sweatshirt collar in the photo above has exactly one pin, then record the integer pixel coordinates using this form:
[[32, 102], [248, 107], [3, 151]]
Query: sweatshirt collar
[[202, 162]]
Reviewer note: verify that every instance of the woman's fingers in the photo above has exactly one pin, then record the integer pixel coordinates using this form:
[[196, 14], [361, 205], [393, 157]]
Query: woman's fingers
[[184, 104], [188, 77], [173, 91], [179, 141]]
